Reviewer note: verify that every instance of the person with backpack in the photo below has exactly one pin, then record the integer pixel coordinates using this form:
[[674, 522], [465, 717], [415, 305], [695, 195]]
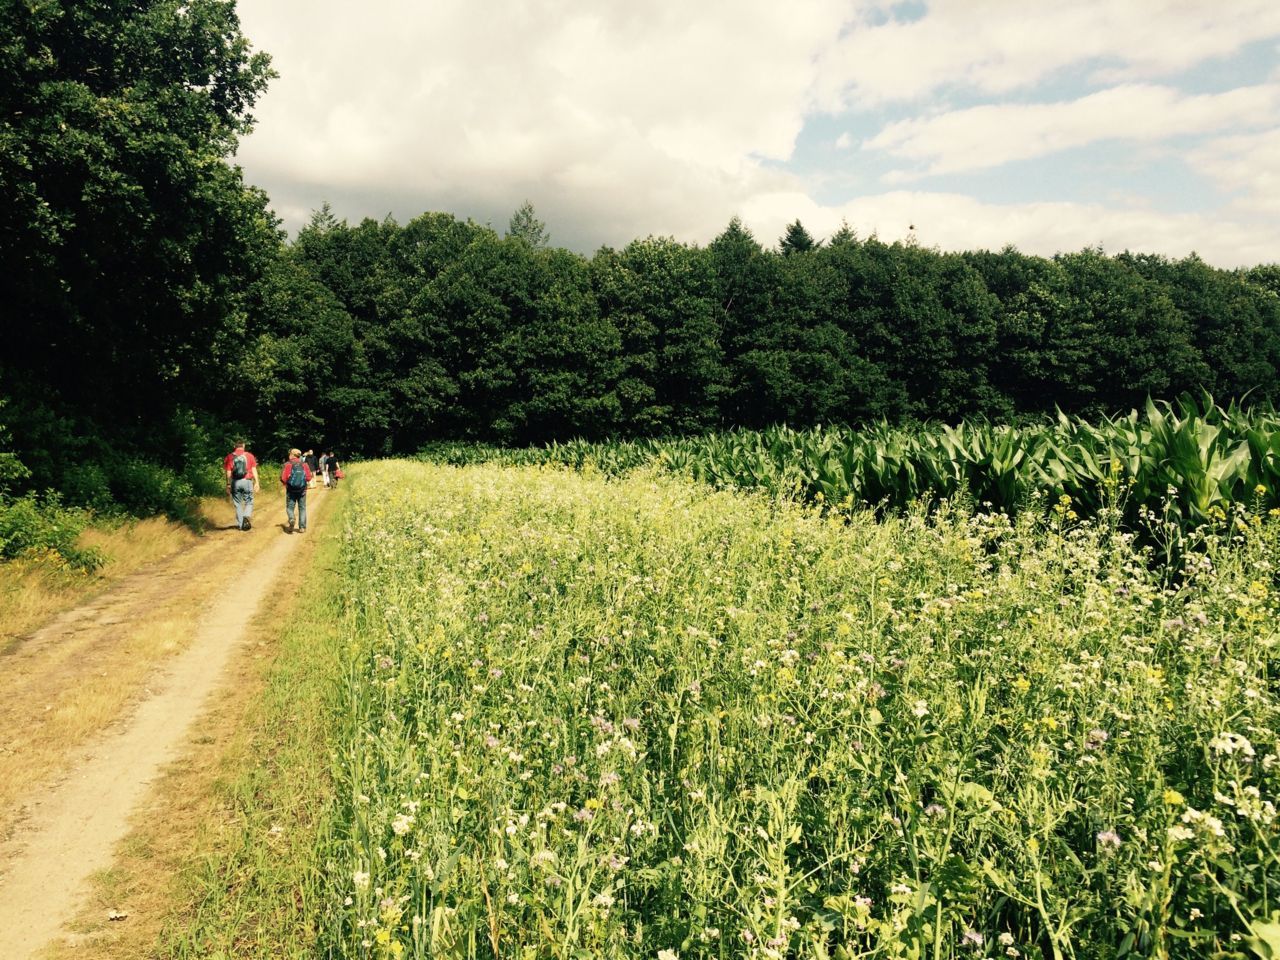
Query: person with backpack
[[334, 468], [241, 468], [295, 477]]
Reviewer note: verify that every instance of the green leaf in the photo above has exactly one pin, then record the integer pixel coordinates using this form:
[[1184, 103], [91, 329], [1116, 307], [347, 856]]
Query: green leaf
[[1265, 941], [976, 795]]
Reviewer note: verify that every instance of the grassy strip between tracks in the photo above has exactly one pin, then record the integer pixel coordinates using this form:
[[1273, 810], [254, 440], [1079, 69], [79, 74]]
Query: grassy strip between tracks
[[249, 892]]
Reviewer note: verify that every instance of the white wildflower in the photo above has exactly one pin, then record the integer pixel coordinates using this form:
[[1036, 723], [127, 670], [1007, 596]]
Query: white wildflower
[[1231, 743], [402, 824]]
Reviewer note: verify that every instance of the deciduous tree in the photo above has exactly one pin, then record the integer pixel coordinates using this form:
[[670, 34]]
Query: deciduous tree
[[126, 235]]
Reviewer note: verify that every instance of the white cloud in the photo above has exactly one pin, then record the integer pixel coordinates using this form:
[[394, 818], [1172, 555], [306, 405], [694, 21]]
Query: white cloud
[[619, 120], [650, 111], [997, 46], [958, 222], [989, 136], [1248, 164]]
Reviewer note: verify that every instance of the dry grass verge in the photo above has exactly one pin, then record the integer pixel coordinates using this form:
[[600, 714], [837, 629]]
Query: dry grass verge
[[84, 670], [34, 591]]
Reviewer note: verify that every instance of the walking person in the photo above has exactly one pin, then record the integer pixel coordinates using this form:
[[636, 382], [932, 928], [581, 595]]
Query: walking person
[[324, 468], [295, 477], [241, 468], [334, 468], [309, 458]]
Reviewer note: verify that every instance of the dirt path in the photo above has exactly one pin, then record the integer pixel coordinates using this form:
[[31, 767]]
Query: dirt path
[[61, 832]]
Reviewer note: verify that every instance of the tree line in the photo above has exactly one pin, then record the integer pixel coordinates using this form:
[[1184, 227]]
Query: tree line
[[154, 307], [388, 336]]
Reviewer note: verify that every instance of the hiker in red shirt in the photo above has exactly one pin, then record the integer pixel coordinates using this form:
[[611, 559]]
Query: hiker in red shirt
[[241, 468], [295, 478]]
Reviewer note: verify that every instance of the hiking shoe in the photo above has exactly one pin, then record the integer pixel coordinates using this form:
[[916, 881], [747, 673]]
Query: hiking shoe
[[248, 524]]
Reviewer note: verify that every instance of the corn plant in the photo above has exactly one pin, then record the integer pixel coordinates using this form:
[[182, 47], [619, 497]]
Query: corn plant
[[1192, 461]]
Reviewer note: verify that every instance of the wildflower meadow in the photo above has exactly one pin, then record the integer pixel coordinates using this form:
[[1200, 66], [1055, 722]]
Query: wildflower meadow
[[639, 717]]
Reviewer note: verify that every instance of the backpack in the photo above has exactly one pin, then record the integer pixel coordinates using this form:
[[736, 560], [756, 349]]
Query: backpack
[[297, 478], [239, 467]]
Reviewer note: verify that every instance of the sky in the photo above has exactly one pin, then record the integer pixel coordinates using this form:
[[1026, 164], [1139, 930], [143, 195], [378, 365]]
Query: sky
[[1145, 125]]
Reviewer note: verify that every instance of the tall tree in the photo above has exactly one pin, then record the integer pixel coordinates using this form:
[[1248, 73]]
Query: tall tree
[[526, 226], [844, 235], [797, 240], [1232, 324], [657, 294], [802, 364], [125, 234], [744, 285], [564, 354], [299, 361], [1265, 277], [1036, 360]]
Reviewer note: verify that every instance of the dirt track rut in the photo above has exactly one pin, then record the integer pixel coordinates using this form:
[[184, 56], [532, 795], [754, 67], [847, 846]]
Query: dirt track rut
[[70, 828]]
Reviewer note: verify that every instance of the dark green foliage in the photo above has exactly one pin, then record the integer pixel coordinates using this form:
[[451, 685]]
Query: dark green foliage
[[797, 240], [126, 237], [803, 364], [658, 295], [843, 236], [564, 356], [83, 462], [1035, 357], [385, 338], [42, 528], [526, 226], [305, 339], [1265, 277], [1234, 329], [12, 469], [744, 287], [123, 232], [1133, 341], [523, 340], [926, 323], [379, 338]]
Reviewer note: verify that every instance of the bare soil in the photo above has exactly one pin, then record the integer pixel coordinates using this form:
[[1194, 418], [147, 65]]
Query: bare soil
[[94, 706]]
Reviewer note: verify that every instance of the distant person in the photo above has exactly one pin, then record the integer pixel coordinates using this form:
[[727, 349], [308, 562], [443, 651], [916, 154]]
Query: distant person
[[241, 468], [309, 458], [324, 468], [335, 470], [295, 477]]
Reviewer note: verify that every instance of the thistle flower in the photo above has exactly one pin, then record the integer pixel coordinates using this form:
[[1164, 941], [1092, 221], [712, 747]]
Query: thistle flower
[[1108, 839]]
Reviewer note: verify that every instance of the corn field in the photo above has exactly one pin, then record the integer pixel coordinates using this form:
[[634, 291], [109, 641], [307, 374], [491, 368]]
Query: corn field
[[1188, 461]]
